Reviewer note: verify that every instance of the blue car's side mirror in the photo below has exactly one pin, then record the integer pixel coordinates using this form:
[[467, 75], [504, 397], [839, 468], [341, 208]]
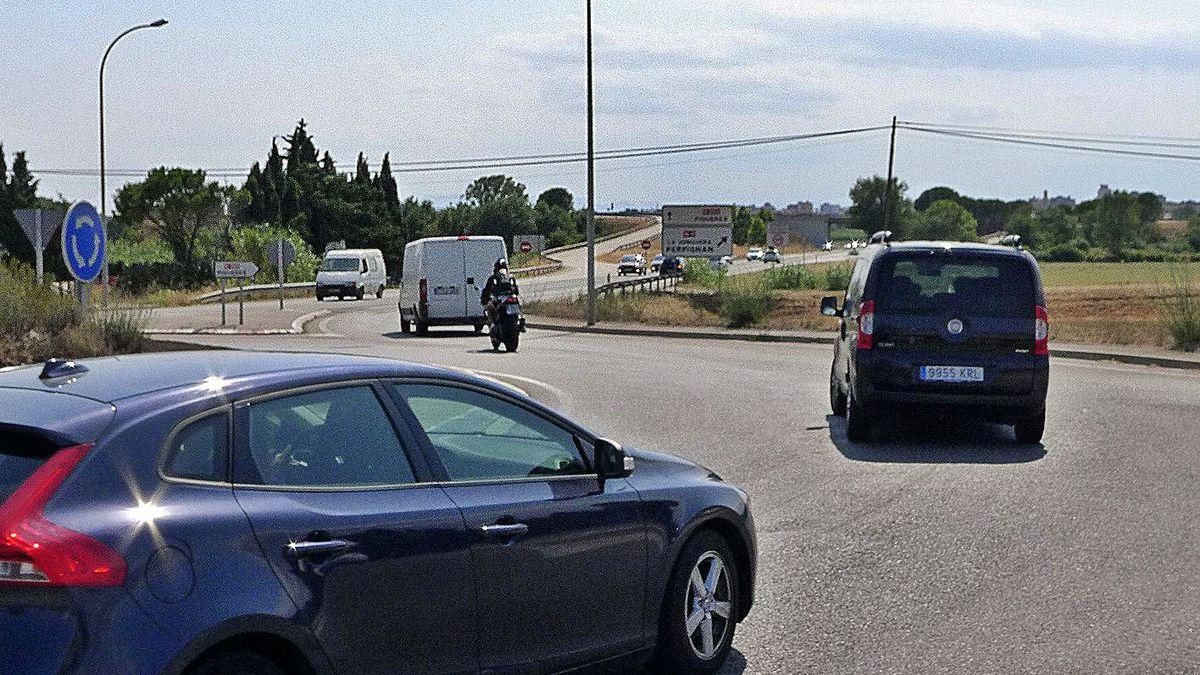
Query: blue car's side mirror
[[611, 460]]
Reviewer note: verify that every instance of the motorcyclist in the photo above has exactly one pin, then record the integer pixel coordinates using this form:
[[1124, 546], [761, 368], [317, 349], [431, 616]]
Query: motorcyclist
[[500, 281]]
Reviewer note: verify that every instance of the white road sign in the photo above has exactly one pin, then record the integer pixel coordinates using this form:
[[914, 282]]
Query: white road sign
[[697, 231], [235, 270]]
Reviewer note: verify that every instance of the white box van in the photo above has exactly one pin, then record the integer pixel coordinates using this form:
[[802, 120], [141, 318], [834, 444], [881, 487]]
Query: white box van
[[442, 280], [352, 273]]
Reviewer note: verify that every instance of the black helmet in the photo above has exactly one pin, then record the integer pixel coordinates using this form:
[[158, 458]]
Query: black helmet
[[501, 264]]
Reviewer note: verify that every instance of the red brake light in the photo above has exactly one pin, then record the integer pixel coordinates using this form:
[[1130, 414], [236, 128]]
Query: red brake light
[[512, 300], [1041, 331], [423, 291], [34, 550], [866, 325], [463, 237]]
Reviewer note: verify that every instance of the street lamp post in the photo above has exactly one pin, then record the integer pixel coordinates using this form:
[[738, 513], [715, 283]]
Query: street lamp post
[[591, 183], [103, 188]]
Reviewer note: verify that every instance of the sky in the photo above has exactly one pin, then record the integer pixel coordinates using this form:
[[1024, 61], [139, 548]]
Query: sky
[[434, 79]]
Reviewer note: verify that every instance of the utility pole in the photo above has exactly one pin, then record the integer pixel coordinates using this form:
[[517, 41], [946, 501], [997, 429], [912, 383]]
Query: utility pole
[[887, 193], [591, 183]]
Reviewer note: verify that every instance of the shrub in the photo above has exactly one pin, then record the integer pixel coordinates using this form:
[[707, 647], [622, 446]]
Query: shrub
[[745, 301], [791, 277], [1063, 253], [699, 271], [120, 329], [1180, 310], [837, 277], [25, 306], [250, 243], [847, 234]]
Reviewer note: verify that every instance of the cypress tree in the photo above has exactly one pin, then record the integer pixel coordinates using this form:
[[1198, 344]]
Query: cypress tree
[[255, 211], [362, 173], [327, 165], [301, 150], [387, 183], [22, 187]]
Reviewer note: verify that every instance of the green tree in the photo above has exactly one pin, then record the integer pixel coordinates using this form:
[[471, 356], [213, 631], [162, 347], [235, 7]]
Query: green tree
[[179, 205], [935, 194], [756, 232], [387, 183], [1024, 223], [944, 220], [1150, 206], [1058, 226], [1193, 232], [558, 197], [362, 171], [1114, 221], [487, 189], [22, 187], [867, 206], [302, 153]]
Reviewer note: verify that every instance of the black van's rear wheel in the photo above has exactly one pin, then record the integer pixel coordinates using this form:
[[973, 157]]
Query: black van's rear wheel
[[837, 399], [1030, 431], [858, 425]]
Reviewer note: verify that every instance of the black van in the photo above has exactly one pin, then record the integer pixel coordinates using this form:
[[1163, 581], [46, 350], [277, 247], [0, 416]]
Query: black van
[[942, 328]]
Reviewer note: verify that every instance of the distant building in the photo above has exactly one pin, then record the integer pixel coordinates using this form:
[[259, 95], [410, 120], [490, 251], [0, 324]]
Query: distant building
[[1046, 201], [1103, 192], [811, 228], [798, 208], [828, 209], [768, 207]]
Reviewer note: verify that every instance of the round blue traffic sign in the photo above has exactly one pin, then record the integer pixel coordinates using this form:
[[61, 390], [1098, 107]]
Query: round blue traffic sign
[[84, 243]]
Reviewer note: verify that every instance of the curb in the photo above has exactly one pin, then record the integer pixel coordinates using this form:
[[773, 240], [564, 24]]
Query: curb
[[297, 328], [1062, 353]]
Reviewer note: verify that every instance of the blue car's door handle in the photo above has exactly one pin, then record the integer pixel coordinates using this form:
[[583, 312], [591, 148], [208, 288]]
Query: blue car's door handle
[[301, 549], [506, 530]]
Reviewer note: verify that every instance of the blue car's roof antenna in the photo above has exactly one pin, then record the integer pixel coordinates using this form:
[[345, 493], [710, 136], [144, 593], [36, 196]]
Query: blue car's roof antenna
[[57, 369]]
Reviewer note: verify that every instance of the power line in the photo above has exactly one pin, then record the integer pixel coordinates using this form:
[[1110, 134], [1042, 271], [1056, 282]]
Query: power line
[[428, 166], [1059, 132], [1048, 144], [1053, 136]]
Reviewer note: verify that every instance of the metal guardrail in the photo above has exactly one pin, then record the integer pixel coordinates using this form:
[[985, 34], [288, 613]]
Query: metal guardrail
[[537, 270], [630, 245], [233, 292], [644, 284]]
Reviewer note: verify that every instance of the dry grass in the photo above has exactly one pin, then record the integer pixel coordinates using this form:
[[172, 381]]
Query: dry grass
[[659, 309]]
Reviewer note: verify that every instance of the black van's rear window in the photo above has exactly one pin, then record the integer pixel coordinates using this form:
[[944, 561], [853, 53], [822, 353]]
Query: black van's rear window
[[988, 286], [20, 455]]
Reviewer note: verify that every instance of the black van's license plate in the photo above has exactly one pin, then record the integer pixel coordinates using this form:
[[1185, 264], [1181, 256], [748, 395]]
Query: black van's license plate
[[951, 374]]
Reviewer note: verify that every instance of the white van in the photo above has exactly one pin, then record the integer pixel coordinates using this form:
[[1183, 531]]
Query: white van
[[442, 280], [352, 273]]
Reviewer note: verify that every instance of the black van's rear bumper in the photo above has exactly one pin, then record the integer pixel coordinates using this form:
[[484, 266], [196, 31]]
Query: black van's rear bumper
[[1014, 388]]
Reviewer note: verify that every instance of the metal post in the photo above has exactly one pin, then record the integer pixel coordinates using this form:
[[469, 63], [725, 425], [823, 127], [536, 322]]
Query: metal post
[[241, 301], [279, 267], [222, 301], [887, 193], [38, 245], [591, 182], [103, 188]]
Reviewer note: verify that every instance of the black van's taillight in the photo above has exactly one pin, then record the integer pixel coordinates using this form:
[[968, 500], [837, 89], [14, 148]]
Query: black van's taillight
[[1041, 331], [866, 325], [35, 551]]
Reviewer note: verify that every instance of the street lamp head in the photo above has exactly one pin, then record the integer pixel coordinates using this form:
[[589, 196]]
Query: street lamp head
[[158, 24]]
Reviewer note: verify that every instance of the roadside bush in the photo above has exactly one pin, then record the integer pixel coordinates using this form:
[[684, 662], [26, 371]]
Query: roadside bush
[[745, 301], [142, 278], [25, 306], [120, 330], [1180, 310], [1068, 252], [848, 234], [837, 277], [249, 243], [791, 277], [698, 271]]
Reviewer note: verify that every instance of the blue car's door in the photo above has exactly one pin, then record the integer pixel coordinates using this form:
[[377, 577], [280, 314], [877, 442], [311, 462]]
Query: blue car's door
[[559, 556], [377, 563]]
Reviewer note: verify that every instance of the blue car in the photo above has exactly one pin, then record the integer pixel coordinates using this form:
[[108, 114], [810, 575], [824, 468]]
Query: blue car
[[252, 512]]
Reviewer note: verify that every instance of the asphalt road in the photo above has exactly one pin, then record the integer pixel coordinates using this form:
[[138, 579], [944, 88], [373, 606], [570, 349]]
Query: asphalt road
[[946, 548]]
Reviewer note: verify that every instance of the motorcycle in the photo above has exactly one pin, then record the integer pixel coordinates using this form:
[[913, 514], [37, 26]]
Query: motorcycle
[[505, 323]]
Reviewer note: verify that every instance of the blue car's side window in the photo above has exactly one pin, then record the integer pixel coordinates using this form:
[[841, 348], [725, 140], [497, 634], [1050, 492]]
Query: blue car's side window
[[198, 451], [331, 437], [481, 437]]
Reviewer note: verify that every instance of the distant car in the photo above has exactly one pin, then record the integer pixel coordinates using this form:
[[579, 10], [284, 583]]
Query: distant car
[[633, 263], [720, 262], [755, 253], [656, 263], [827, 246], [772, 256], [941, 328], [670, 267], [253, 512], [848, 245]]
